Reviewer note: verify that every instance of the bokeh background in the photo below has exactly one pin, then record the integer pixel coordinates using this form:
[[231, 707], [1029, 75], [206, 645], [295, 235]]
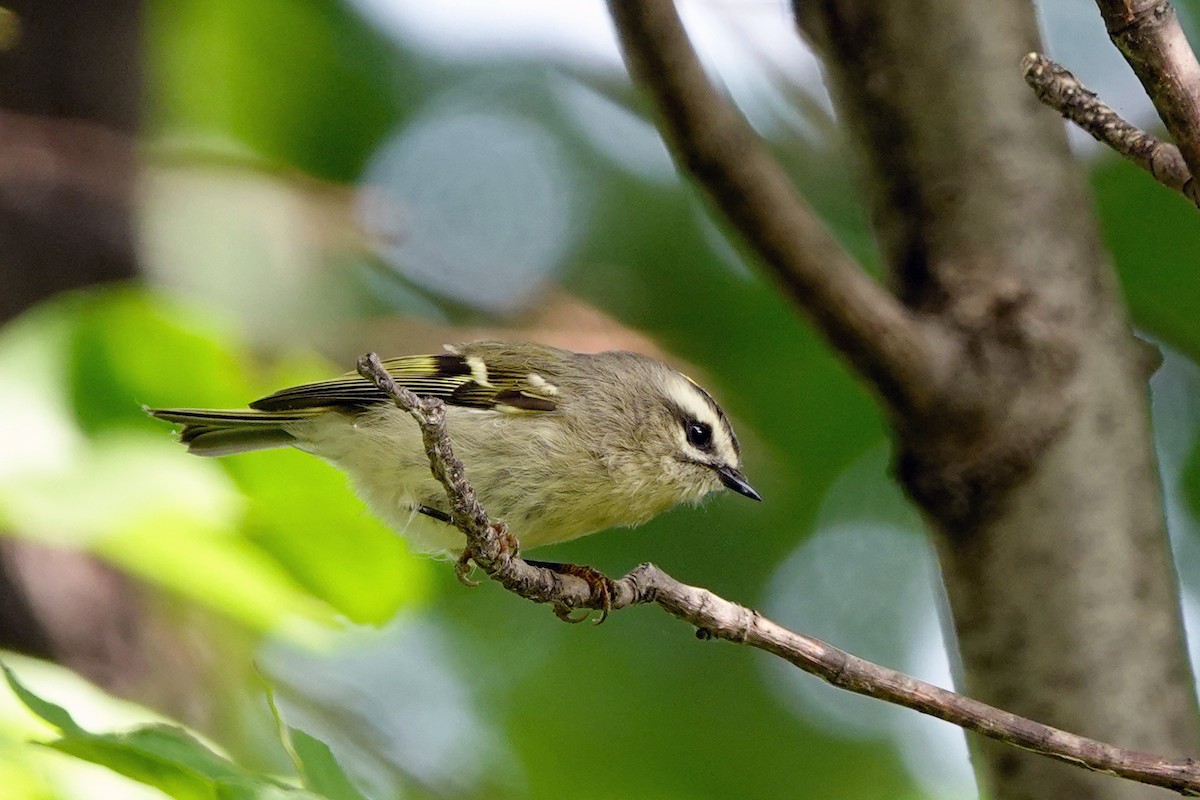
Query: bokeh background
[[204, 200]]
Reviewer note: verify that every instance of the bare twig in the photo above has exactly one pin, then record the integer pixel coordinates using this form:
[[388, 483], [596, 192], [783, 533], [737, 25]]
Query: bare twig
[[904, 358], [493, 549], [1062, 91], [1148, 34]]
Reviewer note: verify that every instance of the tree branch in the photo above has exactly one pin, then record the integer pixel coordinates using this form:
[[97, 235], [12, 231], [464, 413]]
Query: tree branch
[[1062, 91], [904, 358], [1148, 34], [495, 552]]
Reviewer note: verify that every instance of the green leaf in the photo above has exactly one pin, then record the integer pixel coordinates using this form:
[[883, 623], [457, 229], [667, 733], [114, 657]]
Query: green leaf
[[314, 761], [1158, 272], [321, 771], [251, 71], [140, 502], [163, 756], [136, 755], [54, 714], [217, 568], [303, 512], [130, 347], [1189, 479]]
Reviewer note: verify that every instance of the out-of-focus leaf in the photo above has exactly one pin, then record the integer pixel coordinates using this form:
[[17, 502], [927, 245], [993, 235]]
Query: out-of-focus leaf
[[129, 347], [123, 479], [164, 756], [304, 513], [317, 765], [131, 494], [303, 83], [219, 569], [29, 771], [52, 713], [141, 503], [1154, 237], [1189, 480], [322, 773]]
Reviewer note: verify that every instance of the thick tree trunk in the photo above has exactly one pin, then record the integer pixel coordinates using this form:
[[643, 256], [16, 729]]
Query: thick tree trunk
[[1037, 469]]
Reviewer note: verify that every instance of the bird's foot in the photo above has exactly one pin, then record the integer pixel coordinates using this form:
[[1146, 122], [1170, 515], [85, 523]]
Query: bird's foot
[[600, 584], [509, 544]]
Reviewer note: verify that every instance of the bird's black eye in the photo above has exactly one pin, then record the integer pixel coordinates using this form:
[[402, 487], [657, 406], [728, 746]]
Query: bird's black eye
[[699, 434]]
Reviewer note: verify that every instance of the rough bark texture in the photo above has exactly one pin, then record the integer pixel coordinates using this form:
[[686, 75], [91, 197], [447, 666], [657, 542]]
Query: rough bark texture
[[1037, 470], [1062, 91]]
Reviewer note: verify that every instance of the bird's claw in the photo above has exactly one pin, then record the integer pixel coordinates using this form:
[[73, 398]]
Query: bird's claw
[[568, 613], [463, 568], [600, 584]]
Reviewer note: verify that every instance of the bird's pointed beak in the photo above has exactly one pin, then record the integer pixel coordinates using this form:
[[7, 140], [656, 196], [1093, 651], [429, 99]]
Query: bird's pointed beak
[[734, 479]]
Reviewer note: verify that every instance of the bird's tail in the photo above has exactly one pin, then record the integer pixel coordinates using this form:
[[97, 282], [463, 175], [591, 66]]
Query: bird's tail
[[221, 433]]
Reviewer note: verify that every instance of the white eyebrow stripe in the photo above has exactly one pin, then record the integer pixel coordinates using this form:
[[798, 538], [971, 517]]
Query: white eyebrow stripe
[[689, 400], [692, 401]]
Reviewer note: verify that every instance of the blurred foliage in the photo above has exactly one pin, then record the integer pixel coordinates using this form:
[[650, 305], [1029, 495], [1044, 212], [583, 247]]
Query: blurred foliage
[[1153, 236], [307, 84], [173, 760], [260, 537], [276, 540]]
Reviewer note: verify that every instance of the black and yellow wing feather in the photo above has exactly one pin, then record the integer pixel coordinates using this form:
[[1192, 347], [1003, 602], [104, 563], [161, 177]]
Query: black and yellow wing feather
[[458, 380], [465, 379]]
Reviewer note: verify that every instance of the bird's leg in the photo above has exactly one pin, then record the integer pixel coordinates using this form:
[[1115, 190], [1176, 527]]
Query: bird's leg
[[436, 513], [599, 583]]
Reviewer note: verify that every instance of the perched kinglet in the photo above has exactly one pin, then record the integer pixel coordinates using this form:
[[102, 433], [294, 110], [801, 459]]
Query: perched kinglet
[[556, 444]]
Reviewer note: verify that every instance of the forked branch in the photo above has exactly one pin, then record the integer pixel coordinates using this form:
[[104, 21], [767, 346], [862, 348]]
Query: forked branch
[[1148, 34], [1062, 91], [495, 552]]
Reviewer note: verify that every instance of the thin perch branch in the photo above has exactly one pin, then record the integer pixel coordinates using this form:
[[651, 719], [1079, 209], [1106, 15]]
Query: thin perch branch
[[494, 551], [1062, 91], [1148, 34], [906, 359]]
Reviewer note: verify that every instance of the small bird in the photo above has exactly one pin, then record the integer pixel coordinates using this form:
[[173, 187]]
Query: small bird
[[556, 444]]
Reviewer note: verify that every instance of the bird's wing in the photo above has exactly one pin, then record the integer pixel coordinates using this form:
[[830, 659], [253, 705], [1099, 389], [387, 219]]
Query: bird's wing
[[456, 379]]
